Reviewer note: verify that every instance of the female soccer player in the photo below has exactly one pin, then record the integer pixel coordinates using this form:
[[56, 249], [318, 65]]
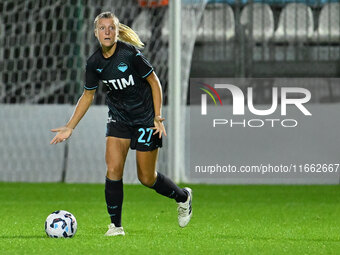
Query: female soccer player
[[135, 119]]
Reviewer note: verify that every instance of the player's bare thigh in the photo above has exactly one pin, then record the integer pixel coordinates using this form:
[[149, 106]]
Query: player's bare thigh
[[115, 156], [146, 166]]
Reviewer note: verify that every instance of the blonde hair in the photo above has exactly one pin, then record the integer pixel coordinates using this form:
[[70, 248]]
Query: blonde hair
[[126, 34]]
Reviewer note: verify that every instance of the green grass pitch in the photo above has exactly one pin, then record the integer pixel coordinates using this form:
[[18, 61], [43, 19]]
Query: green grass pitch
[[226, 220]]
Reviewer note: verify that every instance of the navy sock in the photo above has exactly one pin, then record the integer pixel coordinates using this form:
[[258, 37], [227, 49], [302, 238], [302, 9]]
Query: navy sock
[[114, 200], [168, 188]]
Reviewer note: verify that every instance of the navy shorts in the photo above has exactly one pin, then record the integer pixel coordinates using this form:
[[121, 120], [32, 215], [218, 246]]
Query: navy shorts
[[142, 138]]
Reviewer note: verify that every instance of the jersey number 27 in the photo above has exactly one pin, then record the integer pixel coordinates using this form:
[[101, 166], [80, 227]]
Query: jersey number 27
[[143, 133]]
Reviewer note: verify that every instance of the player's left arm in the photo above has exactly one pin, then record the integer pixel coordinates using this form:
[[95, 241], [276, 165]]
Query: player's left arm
[[156, 88]]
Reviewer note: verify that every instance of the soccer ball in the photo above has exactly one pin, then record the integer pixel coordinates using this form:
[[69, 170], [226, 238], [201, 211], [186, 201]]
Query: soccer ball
[[61, 224]]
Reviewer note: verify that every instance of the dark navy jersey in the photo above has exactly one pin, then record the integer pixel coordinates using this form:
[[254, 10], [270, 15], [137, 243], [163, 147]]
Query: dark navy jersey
[[129, 95]]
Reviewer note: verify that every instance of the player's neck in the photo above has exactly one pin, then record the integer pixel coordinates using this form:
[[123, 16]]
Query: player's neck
[[109, 51]]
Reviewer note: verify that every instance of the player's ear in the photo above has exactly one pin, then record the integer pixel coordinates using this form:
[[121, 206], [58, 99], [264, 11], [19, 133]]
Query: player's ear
[[96, 32]]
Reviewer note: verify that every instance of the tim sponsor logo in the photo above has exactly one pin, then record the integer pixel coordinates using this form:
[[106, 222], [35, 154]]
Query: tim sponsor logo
[[119, 84]]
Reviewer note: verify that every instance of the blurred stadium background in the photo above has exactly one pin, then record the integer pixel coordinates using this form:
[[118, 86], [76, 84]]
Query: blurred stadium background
[[44, 45]]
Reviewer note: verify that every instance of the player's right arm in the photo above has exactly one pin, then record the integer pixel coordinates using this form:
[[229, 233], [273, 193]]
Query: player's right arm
[[84, 102], [82, 106]]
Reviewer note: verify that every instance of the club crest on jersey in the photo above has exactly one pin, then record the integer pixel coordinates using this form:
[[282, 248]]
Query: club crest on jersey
[[122, 67]]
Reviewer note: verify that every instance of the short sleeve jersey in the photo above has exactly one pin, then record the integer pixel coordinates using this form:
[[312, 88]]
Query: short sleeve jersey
[[129, 95]]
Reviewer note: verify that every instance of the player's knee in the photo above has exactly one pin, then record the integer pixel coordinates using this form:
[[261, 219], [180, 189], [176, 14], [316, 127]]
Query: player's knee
[[114, 172], [147, 180]]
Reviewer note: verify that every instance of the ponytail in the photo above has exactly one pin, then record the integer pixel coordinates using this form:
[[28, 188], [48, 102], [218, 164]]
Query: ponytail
[[126, 34]]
